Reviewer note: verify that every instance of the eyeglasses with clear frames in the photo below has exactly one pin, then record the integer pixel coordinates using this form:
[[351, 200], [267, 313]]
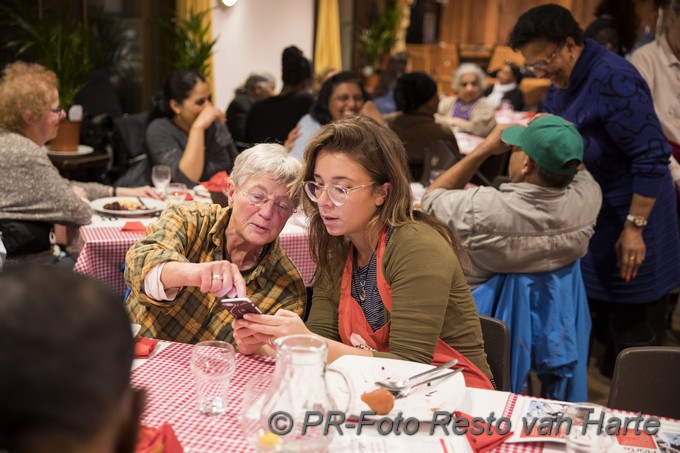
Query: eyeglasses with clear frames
[[543, 64], [282, 207], [337, 194]]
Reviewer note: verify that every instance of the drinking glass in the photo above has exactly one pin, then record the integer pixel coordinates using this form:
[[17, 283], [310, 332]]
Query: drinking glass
[[160, 175], [213, 363], [176, 193]]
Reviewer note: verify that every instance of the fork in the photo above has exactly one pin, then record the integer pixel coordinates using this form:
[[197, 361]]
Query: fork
[[404, 391], [400, 384]]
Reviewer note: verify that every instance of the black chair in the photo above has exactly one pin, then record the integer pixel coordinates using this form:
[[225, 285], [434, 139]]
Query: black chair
[[130, 164], [439, 155], [497, 347], [647, 380]]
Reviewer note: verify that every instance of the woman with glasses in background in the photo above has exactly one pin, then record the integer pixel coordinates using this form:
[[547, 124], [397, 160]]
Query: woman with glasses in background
[[633, 261], [389, 282], [197, 253], [187, 132]]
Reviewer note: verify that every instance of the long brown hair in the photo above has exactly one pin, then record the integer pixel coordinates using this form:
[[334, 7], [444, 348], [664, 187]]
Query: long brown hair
[[381, 154]]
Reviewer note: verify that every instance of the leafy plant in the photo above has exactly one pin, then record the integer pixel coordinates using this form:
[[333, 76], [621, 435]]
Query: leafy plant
[[51, 39], [377, 40], [192, 43]]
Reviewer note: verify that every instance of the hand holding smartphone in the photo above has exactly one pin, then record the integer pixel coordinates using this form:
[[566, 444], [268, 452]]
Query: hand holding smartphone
[[240, 306]]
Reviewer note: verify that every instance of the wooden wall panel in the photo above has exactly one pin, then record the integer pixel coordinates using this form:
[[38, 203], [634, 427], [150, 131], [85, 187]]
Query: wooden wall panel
[[488, 22]]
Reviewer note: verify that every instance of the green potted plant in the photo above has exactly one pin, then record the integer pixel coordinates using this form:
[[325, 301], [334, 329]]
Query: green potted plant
[[192, 41], [377, 40], [51, 39]]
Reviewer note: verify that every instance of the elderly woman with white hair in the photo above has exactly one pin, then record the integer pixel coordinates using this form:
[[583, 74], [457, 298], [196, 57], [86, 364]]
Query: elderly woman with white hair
[[196, 253], [468, 111]]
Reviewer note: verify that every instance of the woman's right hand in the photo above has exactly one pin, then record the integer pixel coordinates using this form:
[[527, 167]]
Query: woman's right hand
[[208, 115], [219, 278]]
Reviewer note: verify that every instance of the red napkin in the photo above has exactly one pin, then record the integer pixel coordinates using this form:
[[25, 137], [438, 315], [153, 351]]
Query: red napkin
[[483, 442], [157, 440], [144, 347], [217, 182], [134, 227]]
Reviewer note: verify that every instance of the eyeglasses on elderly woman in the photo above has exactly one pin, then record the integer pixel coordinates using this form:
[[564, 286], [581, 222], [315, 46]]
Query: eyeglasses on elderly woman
[[282, 206], [543, 64]]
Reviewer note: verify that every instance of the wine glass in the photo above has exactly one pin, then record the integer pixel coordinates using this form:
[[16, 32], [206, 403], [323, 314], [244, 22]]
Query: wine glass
[[176, 193], [160, 175]]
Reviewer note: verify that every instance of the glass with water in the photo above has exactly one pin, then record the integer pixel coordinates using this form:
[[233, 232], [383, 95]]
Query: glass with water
[[160, 176]]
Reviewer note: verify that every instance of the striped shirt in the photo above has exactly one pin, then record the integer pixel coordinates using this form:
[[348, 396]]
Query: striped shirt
[[372, 305]]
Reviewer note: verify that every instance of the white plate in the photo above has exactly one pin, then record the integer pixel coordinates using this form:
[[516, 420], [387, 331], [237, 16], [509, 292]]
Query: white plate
[[445, 394], [153, 205], [82, 150], [201, 191]]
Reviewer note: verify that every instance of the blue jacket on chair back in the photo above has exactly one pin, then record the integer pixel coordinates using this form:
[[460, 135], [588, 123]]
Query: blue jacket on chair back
[[549, 321]]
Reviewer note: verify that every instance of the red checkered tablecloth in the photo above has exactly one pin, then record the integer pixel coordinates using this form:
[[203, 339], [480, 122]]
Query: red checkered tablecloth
[[171, 398], [103, 252]]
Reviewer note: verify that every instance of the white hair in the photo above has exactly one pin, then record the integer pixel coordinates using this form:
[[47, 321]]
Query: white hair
[[266, 159], [469, 68]]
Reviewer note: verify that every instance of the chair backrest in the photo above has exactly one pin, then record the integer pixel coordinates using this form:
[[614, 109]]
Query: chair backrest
[[131, 165], [647, 380], [497, 347], [439, 155]]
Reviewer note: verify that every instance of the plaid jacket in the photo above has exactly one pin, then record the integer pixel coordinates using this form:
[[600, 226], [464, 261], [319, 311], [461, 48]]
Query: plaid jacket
[[194, 233]]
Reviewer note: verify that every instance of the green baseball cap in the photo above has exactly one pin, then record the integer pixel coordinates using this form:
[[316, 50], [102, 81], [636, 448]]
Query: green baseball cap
[[550, 141]]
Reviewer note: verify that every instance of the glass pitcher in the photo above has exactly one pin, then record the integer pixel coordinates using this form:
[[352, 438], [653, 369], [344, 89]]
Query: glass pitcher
[[299, 388]]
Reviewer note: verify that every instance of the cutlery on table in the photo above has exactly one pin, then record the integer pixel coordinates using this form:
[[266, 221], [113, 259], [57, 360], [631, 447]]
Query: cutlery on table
[[402, 387], [402, 392], [141, 203]]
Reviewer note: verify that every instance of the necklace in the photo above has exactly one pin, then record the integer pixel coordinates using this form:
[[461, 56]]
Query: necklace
[[361, 275]]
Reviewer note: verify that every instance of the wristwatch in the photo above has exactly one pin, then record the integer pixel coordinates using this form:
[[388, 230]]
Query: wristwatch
[[637, 220]]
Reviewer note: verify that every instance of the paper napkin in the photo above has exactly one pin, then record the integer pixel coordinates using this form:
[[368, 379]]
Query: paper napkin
[[482, 443], [134, 227], [157, 440], [144, 347]]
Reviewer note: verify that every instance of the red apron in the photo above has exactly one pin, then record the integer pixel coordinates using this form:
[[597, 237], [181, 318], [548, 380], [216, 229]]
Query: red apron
[[355, 330]]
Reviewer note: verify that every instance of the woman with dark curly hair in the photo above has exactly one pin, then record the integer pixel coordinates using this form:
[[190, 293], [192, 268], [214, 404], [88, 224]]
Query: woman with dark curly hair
[[341, 96]]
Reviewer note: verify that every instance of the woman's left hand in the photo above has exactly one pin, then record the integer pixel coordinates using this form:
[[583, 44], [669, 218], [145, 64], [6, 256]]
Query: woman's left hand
[[630, 252], [284, 323], [145, 191]]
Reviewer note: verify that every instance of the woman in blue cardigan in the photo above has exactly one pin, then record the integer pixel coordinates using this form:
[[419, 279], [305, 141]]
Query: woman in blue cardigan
[[633, 260]]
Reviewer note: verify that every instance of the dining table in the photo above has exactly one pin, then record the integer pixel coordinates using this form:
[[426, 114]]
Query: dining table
[[167, 379], [103, 243]]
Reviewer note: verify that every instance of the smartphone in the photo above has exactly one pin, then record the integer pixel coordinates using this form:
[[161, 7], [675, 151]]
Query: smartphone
[[240, 306]]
